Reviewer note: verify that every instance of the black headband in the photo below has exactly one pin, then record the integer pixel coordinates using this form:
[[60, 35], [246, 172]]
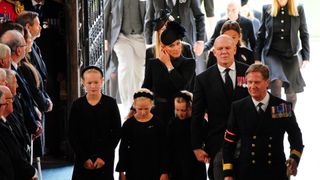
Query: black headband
[[143, 94], [184, 96], [91, 67]]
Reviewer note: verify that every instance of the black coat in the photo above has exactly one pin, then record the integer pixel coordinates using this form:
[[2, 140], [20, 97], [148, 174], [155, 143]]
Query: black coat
[[8, 144], [94, 132], [210, 96], [27, 102], [298, 26], [143, 149], [165, 85], [183, 163], [261, 154]]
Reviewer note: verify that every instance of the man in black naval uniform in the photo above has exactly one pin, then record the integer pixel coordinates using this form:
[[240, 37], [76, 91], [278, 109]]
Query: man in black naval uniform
[[260, 121]]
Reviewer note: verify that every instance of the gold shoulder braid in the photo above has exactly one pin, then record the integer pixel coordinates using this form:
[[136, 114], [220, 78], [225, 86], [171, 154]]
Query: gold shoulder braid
[[18, 7]]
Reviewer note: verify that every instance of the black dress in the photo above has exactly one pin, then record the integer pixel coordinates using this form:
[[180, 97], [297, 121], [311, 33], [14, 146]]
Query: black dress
[[165, 85], [142, 153], [243, 55], [94, 133], [183, 163]]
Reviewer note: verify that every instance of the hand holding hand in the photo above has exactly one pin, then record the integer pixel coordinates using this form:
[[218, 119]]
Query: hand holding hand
[[88, 164], [201, 155], [98, 163]]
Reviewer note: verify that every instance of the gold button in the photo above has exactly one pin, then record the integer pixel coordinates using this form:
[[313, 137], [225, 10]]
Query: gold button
[[254, 137], [281, 37], [282, 12], [252, 153], [269, 154], [270, 138], [282, 30], [269, 145], [253, 145], [269, 162], [282, 21], [253, 161]]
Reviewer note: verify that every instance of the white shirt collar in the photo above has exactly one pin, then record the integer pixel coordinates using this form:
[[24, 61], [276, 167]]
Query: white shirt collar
[[232, 67], [34, 3], [265, 102], [3, 119], [15, 65]]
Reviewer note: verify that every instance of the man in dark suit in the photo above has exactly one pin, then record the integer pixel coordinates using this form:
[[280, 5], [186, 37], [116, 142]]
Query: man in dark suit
[[17, 44], [188, 14], [8, 144], [233, 13], [260, 121], [52, 65], [213, 93]]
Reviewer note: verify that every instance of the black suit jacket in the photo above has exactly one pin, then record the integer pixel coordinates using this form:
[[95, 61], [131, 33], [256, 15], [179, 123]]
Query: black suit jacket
[[247, 31], [8, 144], [261, 150], [210, 96], [38, 93], [27, 103], [298, 26], [192, 19]]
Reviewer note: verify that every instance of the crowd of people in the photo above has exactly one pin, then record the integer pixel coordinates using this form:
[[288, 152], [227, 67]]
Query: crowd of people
[[26, 85], [190, 101]]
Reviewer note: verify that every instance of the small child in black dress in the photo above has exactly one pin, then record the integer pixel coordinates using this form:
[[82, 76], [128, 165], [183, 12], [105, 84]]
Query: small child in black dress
[[183, 163], [142, 153]]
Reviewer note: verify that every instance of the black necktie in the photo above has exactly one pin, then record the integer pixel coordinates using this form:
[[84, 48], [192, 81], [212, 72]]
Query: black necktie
[[228, 82], [260, 110]]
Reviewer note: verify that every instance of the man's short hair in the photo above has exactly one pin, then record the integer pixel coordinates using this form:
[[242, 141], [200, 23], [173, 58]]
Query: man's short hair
[[263, 69], [4, 49], [9, 74], [26, 17], [12, 38]]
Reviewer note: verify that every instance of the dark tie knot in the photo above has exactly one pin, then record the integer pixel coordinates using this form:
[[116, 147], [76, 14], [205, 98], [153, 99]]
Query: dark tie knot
[[260, 110], [227, 70]]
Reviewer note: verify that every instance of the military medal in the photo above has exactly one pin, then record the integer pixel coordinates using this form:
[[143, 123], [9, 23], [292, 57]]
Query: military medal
[[281, 111], [241, 81]]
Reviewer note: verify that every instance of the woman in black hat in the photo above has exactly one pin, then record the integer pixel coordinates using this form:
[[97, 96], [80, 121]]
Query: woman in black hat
[[169, 73], [160, 25]]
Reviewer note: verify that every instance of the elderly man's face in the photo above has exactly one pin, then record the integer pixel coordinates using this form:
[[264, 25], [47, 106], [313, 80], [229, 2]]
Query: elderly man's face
[[6, 62], [257, 86]]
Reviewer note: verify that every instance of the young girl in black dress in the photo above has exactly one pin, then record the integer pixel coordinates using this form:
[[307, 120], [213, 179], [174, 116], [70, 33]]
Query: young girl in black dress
[[183, 163], [142, 153]]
